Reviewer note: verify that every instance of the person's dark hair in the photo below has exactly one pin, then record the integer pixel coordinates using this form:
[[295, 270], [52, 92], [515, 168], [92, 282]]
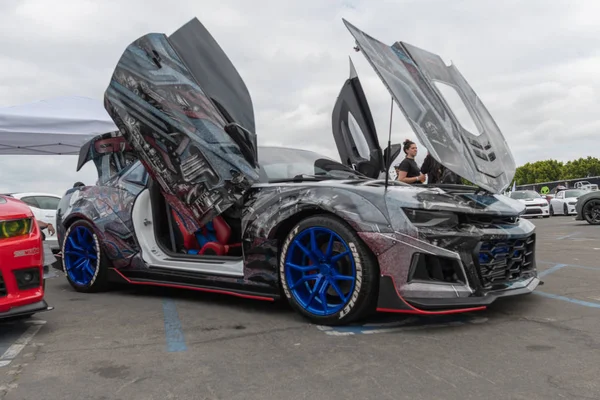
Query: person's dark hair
[[406, 145], [78, 184]]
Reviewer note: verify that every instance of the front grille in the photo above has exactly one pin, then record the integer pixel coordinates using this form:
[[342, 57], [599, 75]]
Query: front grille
[[504, 261], [533, 211], [491, 219], [3, 291]]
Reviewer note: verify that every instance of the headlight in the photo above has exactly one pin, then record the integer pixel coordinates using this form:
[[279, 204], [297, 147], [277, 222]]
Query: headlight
[[431, 219], [15, 227]]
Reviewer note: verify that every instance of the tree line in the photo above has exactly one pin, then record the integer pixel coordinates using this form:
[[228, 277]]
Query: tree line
[[552, 170]]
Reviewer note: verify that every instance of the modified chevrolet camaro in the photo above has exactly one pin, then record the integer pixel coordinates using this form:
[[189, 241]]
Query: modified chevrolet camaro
[[185, 197], [21, 261]]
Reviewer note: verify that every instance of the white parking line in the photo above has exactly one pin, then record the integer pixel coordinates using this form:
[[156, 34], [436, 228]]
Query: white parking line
[[408, 324], [13, 351]]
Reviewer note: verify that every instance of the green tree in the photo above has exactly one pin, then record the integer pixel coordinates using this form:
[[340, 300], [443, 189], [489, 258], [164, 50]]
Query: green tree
[[539, 171], [581, 168]]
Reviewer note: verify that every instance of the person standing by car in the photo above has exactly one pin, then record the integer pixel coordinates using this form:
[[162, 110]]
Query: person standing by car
[[437, 173], [408, 171], [49, 258], [432, 169]]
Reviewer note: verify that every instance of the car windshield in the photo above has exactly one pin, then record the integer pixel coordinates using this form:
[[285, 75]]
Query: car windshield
[[574, 193], [526, 194], [280, 164]]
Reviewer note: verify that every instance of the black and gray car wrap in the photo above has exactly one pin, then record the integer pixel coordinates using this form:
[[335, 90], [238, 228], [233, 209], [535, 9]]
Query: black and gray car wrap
[[438, 248]]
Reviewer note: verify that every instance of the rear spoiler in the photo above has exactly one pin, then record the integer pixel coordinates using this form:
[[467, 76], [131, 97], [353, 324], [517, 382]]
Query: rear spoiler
[[101, 145]]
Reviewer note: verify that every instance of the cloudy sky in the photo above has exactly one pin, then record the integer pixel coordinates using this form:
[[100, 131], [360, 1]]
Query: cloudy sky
[[534, 64]]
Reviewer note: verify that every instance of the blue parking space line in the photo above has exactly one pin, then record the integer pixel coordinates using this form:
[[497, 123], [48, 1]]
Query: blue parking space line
[[567, 236], [173, 329], [551, 270], [571, 265], [568, 299]]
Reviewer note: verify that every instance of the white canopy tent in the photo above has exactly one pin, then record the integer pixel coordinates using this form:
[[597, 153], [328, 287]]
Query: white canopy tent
[[56, 126]]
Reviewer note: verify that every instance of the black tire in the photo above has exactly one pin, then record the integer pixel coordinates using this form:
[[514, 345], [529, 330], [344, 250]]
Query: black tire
[[586, 210], [551, 211], [99, 281], [565, 210], [362, 300]]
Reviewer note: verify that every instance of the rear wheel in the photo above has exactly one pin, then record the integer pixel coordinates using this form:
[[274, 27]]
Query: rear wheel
[[84, 263], [327, 273], [591, 212]]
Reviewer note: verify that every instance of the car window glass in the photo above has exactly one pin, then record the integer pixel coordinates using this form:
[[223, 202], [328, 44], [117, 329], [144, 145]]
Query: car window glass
[[526, 194], [574, 193], [47, 202], [30, 201], [286, 163], [137, 174], [362, 147]]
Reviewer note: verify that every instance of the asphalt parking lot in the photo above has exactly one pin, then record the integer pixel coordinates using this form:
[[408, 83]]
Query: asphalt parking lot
[[151, 343]]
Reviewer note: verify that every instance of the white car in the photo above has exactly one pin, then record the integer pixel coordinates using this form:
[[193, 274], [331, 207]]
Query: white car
[[565, 201], [535, 204], [44, 206]]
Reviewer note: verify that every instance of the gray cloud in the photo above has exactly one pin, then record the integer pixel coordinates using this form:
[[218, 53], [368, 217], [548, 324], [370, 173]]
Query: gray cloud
[[534, 64]]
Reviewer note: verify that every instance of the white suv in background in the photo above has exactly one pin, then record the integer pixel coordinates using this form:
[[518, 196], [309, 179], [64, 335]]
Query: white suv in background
[[44, 207]]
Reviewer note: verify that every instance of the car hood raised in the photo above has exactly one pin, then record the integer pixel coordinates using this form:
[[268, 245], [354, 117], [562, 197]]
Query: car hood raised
[[411, 75]]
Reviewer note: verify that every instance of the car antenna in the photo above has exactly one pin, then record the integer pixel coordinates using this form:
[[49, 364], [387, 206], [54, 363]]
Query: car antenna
[[389, 148]]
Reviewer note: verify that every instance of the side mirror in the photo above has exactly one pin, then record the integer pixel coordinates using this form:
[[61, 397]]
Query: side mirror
[[245, 140]]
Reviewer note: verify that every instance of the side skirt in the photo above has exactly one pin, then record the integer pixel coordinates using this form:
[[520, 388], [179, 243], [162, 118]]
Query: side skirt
[[164, 277]]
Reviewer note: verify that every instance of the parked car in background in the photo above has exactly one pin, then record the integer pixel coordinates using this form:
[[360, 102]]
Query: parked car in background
[[565, 201], [588, 207], [43, 206], [585, 185], [535, 204], [21, 261]]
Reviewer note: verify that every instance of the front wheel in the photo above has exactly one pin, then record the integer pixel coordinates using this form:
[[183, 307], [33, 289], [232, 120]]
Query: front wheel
[[84, 263], [327, 273], [591, 212]]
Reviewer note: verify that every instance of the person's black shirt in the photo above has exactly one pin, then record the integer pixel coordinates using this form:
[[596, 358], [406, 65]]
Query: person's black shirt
[[411, 168]]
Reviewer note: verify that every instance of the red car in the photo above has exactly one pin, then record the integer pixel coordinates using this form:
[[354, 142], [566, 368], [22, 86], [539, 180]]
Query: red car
[[21, 261]]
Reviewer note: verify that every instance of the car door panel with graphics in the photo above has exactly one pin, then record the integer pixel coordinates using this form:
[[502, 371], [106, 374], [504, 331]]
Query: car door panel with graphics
[[177, 131]]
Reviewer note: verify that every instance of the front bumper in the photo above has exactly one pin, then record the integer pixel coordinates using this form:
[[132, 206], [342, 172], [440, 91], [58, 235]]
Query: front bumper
[[442, 272], [537, 211], [391, 301], [27, 309]]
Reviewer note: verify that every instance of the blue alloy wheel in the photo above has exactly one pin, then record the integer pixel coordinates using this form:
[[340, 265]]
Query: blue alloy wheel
[[81, 256], [320, 271]]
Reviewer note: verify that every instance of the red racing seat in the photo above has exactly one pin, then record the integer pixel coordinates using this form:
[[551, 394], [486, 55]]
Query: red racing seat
[[211, 239]]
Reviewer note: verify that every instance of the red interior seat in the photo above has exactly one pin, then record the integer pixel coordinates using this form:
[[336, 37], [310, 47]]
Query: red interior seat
[[213, 238]]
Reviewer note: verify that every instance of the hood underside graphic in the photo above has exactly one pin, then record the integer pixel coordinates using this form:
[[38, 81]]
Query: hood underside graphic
[[415, 78]]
